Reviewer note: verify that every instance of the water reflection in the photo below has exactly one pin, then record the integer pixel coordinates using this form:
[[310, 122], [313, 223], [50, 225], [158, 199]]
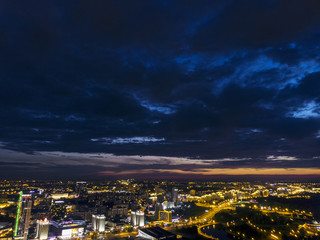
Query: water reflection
[[211, 231]]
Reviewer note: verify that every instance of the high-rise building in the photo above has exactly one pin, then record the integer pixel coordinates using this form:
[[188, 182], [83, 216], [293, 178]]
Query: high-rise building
[[22, 222], [140, 218], [94, 222], [16, 227], [58, 210], [137, 218], [175, 192], [27, 218], [157, 208], [118, 210], [133, 218], [42, 229], [99, 222]]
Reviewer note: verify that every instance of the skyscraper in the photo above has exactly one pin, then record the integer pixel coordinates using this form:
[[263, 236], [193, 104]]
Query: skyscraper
[[99, 222], [133, 218], [137, 218], [158, 208], [140, 218], [42, 229], [27, 219], [22, 222], [175, 192], [16, 228]]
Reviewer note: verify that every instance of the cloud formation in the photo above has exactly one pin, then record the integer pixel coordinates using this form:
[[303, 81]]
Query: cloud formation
[[217, 84]]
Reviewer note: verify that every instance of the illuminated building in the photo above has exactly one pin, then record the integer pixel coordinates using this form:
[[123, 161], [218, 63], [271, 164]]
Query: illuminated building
[[175, 192], [265, 193], [117, 210], [27, 217], [98, 223], [133, 218], [140, 218], [42, 229], [68, 229], [94, 222], [101, 223], [313, 226], [167, 205], [16, 228], [256, 194], [282, 191], [155, 233], [22, 222], [165, 216], [137, 218], [59, 195], [58, 210]]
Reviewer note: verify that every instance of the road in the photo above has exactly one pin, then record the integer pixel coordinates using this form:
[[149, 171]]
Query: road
[[207, 218]]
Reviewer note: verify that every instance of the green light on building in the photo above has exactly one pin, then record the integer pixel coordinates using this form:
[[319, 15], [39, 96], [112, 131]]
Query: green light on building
[[18, 214]]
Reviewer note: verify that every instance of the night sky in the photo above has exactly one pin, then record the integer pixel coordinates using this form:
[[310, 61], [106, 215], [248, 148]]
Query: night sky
[[159, 89]]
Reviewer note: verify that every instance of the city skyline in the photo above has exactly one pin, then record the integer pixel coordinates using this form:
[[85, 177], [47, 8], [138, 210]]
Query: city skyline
[[160, 89]]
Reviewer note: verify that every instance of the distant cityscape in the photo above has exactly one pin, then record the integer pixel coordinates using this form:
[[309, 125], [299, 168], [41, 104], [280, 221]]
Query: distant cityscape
[[160, 120], [133, 209]]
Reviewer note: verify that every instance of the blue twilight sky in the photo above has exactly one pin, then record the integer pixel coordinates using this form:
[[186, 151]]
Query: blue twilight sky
[[159, 88]]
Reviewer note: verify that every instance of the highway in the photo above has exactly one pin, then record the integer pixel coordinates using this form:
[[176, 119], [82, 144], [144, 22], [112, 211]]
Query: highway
[[207, 218]]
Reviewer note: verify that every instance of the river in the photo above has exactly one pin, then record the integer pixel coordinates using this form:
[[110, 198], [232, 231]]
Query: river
[[211, 231]]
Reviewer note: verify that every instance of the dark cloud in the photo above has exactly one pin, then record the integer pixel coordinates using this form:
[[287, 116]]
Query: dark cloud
[[309, 87], [252, 24], [207, 80]]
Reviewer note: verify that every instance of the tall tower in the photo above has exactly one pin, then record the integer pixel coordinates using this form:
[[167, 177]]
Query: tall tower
[[27, 218], [175, 192], [22, 221], [16, 226]]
